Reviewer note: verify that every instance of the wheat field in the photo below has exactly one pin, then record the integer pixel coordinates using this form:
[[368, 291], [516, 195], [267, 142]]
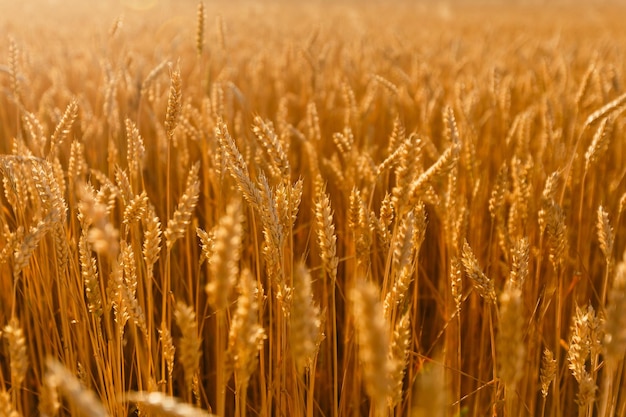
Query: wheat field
[[312, 209]]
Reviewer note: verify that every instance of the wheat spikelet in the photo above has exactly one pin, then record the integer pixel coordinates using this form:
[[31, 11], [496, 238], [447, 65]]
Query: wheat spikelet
[[14, 335], [389, 86], [174, 101], [373, 341], [556, 232], [169, 350], [6, 406], [498, 194], [116, 294], [439, 168], [615, 330], [136, 149], [49, 403], [326, 236], [102, 235], [549, 369], [519, 263], [89, 272], [190, 344], [622, 204], [604, 110], [14, 57], [157, 403], [585, 341], [343, 143], [518, 213], [509, 342], [392, 159], [11, 240], [206, 243], [305, 323], [404, 249], [63, 129], [200, 29], [23, 253], [123, 185], [238, 168], [456, 282], [152, 238], [409, 162], [430, 392], [400, 348], [599, 144], [177, 225], [278, 162], [83, 400], [246, 336], [35, 133], [116, 27], [586, 391], [130, 288], [224, 255], [313, 123], [135, 210], [547, 199], [384, 220], [584, 85], [479, 280], [221, 32], [152, 75], [605, 234], [398, 135]]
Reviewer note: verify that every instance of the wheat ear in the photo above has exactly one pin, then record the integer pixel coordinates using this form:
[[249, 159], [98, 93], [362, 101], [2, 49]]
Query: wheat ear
[[305, 323], [83, 400], [177, 225], [224, 255], [190, 344], [374, 345], [14, 335]]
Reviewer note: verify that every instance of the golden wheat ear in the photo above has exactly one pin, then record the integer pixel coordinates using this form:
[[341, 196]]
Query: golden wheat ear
[[83, 401], [157, 403]]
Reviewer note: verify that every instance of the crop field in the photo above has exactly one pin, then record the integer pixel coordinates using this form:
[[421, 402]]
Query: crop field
[[324, 208]]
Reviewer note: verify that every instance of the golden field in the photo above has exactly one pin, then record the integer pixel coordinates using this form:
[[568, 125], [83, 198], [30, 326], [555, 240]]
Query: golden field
[[312, 209]]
